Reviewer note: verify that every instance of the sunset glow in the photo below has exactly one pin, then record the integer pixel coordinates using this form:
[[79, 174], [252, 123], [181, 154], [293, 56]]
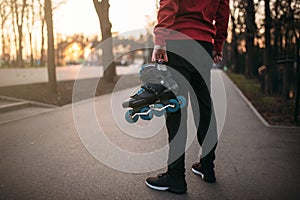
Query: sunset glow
[[79, 16]]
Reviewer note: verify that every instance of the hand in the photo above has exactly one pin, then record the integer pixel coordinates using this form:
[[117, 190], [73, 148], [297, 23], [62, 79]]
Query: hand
[[217, 57], [159, 54]]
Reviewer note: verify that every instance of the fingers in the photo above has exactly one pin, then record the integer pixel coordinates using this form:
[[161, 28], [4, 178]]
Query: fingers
[[166, 57], [159, 55], [153, 59], [217, 57]]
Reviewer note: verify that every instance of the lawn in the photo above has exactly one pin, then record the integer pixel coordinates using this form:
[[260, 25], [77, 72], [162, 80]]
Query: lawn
[[274, 109]]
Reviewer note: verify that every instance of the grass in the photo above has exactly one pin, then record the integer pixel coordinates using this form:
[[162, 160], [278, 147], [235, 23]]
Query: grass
[[274, 109], [39, 92]]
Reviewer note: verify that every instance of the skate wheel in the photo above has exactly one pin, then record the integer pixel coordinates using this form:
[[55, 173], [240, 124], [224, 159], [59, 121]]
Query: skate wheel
[[182, 101], [176, 106], [149, 116], [159, 112], [129, 118]]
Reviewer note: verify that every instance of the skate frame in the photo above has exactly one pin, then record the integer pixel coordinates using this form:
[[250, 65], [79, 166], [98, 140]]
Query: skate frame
[[152, 107]]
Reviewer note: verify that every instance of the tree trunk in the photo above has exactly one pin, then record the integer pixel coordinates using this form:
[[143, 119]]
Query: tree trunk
[[42, 59], [20, 33], [296, 113], [31, 49], [250, 32], [102, 9], [287, 66], [42, 18], [51, 51], [14, 24], [20, 50], [276, 54], [4, 17], [30, 10], [267, 54], [234, 50], [277, 31], [3, 40]]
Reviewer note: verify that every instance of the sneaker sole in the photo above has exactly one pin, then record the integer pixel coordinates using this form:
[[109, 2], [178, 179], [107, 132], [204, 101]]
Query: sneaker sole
[[198, 173], [169, 189], [157, 187], [202, 176]]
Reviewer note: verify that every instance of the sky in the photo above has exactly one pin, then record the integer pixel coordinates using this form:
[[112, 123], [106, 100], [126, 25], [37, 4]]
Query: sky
[[79, 16]]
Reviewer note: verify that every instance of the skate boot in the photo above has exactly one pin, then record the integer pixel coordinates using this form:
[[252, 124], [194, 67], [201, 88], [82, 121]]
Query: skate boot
[[152, 99]]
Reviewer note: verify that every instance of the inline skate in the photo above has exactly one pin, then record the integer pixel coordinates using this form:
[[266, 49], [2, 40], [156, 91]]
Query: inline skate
[[156, 96]]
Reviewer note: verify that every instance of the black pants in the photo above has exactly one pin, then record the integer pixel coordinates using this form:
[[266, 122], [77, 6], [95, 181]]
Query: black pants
[[194, 81]]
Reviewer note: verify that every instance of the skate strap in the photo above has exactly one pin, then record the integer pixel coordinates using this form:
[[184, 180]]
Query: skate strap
[[154, 88]]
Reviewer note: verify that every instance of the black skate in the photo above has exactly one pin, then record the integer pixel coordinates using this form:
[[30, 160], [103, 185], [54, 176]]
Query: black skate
[[156, 96], [152, 99]]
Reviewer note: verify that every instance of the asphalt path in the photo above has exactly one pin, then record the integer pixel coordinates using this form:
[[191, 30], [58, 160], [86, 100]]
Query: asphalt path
[[44, 157]]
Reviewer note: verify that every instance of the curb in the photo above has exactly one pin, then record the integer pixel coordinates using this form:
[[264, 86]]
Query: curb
[[21, 103], [14, 106], [32, 103]]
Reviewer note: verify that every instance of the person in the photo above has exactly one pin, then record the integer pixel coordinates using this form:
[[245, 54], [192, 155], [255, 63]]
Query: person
[[181, 24]]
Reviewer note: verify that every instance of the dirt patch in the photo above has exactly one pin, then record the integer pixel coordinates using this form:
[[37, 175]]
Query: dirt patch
[[84, 89]]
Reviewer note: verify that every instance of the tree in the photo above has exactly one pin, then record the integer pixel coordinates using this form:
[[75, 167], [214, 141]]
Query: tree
[[30, 23], [4, 14], [42, 18], [51, 51], [267, 54], [238, 28], [18, 15], [296, 113], [102, 9], [250, 34], [14, 16]]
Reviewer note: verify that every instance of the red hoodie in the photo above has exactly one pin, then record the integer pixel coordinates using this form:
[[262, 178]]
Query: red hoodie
[[205, 20]]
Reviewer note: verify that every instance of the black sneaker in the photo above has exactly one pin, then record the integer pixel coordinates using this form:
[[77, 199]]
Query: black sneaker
[[208, 174], [166, 182]]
